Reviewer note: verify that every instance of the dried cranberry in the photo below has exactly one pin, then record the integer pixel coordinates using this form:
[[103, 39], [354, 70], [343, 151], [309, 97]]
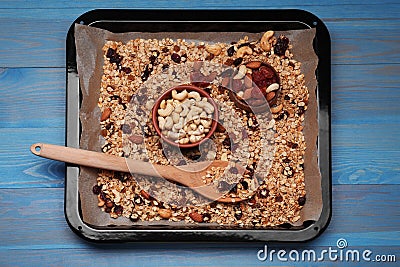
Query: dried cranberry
[[96, 189], [176, 58], [231, 51], [281, 45], [302, 201], [238, 61]]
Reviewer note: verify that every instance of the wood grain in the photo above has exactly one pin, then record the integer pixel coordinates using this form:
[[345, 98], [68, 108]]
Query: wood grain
[[37, 215], [33, 42]]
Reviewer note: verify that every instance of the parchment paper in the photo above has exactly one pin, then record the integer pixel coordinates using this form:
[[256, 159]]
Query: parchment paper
[[89, 42]]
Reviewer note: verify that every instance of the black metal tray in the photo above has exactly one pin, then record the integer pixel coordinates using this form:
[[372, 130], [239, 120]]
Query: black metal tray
[[202, 21]]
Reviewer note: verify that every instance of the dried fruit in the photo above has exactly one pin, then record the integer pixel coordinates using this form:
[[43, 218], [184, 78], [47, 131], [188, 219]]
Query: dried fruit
[[281, 45], [231, 51], [302, 201], [176, 58], [197, 217], [96, 189], [237, 61], [126, 129], [253, 64], [144, 194]]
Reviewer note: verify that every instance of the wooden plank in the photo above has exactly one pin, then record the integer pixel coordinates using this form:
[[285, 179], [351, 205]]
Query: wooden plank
[[33, 42], [179, 4], [20, 168], [37, 215], [32, 97]]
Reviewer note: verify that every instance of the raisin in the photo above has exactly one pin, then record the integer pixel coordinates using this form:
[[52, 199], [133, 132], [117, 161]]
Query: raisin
[[126, 129], [134, 217], [281, 45], [231, 51], [146, 73], [110, 52], [302, 201], [176, 58], [227, 142], [96, 189], [206, 217], [301, 110], [244, 44], [118, 209], [238, 214], [286, 97], [278, 198], [238, 61], [244, 184], [127, 70]]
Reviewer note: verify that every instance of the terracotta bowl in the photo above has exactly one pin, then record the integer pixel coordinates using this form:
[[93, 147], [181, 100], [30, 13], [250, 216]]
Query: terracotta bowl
[[240, 103], [168, 95]]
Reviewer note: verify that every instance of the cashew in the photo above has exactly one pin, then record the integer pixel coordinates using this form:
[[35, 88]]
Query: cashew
[[161, 122], [193, 126], [185, 110], [241, 72], [244, 50], [196, 120], [214, 49], [276, 109], [203, 115], [272, 87], [184, 141], [178, 109], [179, 96], [175, 117], [206, 123], [195, 138], [264, 42], [167, 111], [178, 126], [168, 123], [197, 109], [194, 95], [163, 104], [173, 135]]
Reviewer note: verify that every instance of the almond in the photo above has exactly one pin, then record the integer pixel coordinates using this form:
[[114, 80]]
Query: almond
[[136, 139], [270, 96], [106, 114], [225, 82], [253, 64], [197, 217], [144, 194], [165, 213]]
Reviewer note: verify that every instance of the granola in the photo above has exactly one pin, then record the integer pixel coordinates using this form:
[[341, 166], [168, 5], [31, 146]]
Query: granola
[[273, 182]]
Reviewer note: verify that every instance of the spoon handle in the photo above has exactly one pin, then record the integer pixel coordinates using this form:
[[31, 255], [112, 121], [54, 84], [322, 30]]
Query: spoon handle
[[93, 159]]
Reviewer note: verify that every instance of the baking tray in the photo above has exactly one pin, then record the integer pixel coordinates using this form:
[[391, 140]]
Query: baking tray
[[200, 20]]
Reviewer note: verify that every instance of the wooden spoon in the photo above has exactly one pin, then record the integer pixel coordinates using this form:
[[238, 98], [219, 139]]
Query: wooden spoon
[[189, 175]]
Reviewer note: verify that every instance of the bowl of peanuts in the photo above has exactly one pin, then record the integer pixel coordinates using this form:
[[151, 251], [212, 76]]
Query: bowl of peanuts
[[185, 116]]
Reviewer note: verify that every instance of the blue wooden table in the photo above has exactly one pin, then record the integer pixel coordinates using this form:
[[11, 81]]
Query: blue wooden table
[[365, 138]]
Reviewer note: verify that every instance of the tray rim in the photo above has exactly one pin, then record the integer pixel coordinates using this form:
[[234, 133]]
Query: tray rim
[[323, 73]]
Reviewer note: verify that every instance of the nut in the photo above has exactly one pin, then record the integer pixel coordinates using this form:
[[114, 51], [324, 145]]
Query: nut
[[165, 213], [197, 217], [106, 114], [247, 93], [241, 72], [179, 96], [244, 50], [144, 194], [276, 108], [264, 42], [167, 111], [253, 64], [225, 82], [270, 96], [136, 139], [272, 87], [214, 49]]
